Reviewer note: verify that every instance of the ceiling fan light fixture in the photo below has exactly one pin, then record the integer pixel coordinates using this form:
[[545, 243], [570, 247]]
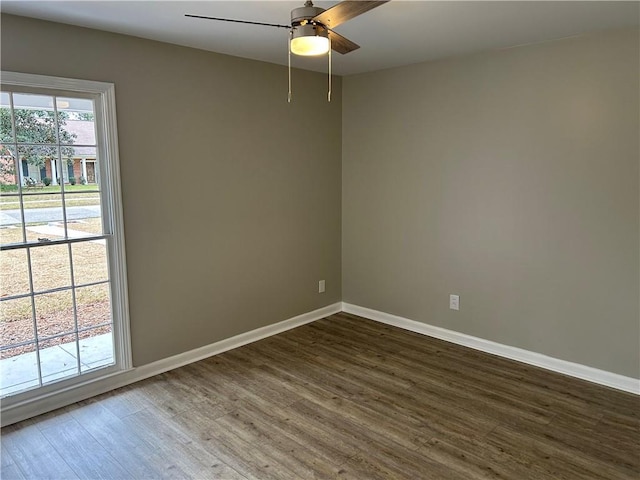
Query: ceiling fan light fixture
[[310, 27], [309, 40]]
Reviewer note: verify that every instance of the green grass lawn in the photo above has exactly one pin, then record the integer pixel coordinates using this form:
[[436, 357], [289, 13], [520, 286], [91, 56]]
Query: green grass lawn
[[51, 189], [42, 197]]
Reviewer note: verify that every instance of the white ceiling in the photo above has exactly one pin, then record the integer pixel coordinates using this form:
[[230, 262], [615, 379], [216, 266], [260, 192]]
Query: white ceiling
[[394, 34]]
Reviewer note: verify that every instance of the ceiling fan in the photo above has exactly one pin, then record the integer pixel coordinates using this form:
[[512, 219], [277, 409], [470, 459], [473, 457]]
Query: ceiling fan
[[311, 30]]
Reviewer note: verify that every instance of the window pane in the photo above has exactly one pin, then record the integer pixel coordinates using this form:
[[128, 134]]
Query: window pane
[[50, 267], [6, 128], [19, 369], [84, 221], [8, 183], [39, 166], [86, 170], [34, 119], [10, 218], [82, 167], [43, 216], [10, 233], [14, 273], [89, 262], [93, 305], [96, 348], [8, 167], [43, 207], [81, 170], [16, 321], [85, 227], [54, 313], [56, 359], [77, 118]]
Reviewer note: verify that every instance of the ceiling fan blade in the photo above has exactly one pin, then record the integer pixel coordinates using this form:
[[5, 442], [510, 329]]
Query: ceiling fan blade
[[343, 11], [342, 44], [239, 21]]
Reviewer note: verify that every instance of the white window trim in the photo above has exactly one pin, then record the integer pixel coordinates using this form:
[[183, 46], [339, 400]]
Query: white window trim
[[107, 136]]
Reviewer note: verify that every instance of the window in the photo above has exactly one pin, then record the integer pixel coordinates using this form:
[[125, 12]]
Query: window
[[63, 303]]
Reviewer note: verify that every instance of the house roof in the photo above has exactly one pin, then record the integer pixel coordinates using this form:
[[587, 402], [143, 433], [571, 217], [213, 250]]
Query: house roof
[[85, 135]]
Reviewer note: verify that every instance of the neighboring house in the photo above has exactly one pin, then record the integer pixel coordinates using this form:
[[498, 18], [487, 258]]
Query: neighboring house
[[83, 163]]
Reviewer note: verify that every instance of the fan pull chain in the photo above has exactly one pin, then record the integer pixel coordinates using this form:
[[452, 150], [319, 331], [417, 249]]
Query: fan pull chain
[[329, 93], [289, 41]]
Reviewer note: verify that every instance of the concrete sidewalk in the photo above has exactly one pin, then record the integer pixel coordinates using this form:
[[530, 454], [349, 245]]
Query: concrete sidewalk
[[21, 372], [47, 214]]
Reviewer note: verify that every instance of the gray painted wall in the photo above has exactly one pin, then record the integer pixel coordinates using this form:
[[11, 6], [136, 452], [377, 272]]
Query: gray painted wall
[[232, 213], [509, 178]]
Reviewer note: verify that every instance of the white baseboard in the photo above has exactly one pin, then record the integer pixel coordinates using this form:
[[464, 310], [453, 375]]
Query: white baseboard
[[216, 348], [46, 403], [602, 377]]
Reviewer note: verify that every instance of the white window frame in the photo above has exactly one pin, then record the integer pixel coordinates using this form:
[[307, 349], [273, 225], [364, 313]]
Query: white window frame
[[103, 95]]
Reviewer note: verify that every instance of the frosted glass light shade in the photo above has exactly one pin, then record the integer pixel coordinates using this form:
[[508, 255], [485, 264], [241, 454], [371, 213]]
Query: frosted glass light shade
[[309, 39], [311, 45]]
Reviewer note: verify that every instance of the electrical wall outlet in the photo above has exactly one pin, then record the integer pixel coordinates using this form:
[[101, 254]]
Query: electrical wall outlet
[[321, 286], [454, 302]]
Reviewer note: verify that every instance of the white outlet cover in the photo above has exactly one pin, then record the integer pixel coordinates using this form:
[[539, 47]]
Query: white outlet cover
[[454, 302], [321, 286]]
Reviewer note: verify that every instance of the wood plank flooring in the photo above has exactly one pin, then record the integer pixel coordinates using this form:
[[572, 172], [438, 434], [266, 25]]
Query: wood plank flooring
[[343, 397]]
